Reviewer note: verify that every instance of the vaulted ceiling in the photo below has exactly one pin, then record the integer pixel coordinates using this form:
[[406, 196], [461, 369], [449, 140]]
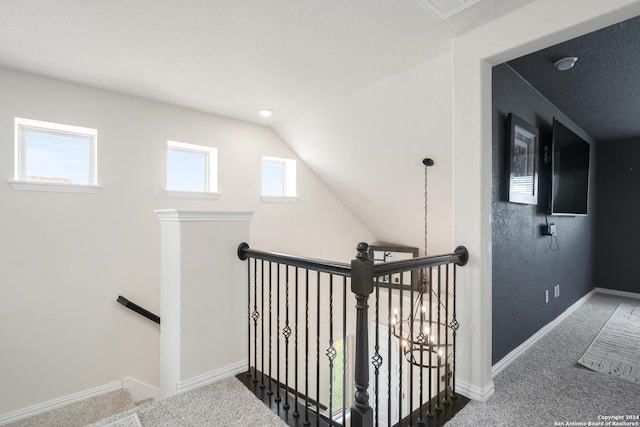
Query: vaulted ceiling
[[323, 66]]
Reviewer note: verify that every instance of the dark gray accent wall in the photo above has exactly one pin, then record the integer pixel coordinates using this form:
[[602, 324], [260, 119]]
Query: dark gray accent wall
[[617, 263], [524, 264]]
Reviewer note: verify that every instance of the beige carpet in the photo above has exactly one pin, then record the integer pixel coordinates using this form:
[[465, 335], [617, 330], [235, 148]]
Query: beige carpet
[[129, 421], [546, 387], [225, 403], [81, 413]]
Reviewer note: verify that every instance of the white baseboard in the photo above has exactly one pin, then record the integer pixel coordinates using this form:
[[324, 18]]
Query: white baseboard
[[481, 394], [617, 293], [516, 352], [140, 390], [58, 403], [212, 376]]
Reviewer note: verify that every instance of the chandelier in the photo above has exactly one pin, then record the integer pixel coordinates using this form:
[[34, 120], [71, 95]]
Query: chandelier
[[425, 342], [424, 335]]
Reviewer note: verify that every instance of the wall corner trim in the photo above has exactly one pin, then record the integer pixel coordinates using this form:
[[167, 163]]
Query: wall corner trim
[[140, 390], [480, 394], [516, 352], [212, 376], [202, 216], [59, 402]]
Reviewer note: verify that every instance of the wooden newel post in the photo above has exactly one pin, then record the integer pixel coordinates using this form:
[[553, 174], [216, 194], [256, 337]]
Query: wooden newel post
[[362, 287]]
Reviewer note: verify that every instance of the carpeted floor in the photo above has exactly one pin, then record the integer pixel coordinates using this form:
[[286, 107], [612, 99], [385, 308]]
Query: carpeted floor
[[226, 403], [546, 387], [81, 413]]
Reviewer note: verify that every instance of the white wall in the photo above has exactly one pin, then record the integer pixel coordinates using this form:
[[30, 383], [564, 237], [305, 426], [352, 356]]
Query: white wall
[[203, 295], [66, 257], [368, 147]]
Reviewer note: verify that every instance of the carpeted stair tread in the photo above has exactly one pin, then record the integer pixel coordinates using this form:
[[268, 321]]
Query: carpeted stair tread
[[225, 403], [81, 413], [145, 401]]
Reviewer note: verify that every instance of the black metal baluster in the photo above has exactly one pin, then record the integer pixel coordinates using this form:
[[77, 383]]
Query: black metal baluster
[[278, 398], [318, 350], [431, 336], [439, 297], [377, 359], [262, 324], [454, 326], [331, 351], [255, 316], [447, 371], [296, 414], [401, 352], [306, 349], [410, 343], [423, 344], [287, 333], [389, 358], [270, 324], [249, 318], [344, 352]]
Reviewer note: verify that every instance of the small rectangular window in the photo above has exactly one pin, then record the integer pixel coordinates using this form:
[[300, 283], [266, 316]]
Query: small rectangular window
[[278, 177], [54, 154], [191, 168]]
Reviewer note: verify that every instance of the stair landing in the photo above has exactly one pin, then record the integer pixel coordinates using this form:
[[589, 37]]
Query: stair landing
[[79, 414]]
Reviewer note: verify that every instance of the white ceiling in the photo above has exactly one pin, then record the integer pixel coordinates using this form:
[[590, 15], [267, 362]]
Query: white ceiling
[[233, 57], [229, 57]]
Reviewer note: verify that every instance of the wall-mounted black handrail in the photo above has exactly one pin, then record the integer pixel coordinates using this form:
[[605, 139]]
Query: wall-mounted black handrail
[[141, 311]]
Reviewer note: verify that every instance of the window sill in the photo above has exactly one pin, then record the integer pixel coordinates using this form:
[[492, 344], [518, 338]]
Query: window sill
[[280, 199], [192, 194], [53, 187]]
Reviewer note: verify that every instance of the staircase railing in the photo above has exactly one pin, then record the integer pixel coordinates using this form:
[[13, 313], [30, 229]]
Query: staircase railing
[[300, 330], [141, 311]]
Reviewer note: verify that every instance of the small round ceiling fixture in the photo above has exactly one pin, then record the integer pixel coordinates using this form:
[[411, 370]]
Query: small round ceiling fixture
[[566, 63], [265, 113]]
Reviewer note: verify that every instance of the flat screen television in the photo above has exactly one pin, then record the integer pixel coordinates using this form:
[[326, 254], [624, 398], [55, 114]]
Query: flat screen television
[[570, 179]]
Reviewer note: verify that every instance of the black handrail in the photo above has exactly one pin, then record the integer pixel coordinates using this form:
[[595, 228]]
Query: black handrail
[[141, 311], [459, 257], [342, 269]]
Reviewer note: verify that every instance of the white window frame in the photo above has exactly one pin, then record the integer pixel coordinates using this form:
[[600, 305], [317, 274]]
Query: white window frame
[[210, 172], [20, 181], [289, 178]]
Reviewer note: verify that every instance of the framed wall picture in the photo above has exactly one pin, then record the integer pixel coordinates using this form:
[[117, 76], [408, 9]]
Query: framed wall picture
[[522, 161]]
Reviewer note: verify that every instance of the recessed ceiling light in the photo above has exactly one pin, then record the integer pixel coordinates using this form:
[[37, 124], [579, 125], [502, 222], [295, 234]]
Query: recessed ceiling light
[[566, 63], [266, 113]]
